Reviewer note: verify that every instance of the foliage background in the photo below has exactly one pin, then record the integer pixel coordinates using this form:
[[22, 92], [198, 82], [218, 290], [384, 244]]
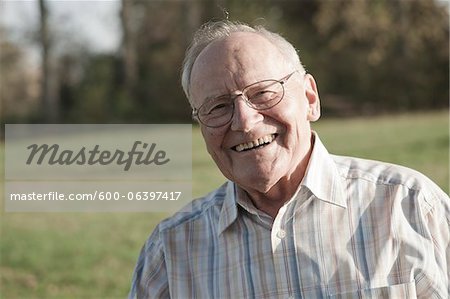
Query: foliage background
[[369, 57]]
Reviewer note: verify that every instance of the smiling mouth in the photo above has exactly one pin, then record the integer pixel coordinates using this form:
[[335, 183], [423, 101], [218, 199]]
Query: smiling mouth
[[260, 142]]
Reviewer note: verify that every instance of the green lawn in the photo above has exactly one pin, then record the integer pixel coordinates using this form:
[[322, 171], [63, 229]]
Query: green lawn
[[76, 255], [418, 141]]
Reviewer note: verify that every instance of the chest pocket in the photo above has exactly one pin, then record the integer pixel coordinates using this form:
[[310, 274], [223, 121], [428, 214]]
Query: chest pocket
[[404, 291]]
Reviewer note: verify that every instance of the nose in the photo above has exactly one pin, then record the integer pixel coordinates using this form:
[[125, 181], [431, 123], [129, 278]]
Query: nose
[[244, 116]]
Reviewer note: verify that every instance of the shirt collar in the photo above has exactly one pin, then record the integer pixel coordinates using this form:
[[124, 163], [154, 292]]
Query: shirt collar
[[322, 178], [235, 196], [228, 214]]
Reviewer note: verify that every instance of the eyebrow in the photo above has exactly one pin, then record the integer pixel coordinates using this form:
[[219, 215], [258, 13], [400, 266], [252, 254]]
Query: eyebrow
[[209, 98]]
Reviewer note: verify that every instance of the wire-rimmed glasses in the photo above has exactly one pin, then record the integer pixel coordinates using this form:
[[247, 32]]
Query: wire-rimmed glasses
[[260, 95]]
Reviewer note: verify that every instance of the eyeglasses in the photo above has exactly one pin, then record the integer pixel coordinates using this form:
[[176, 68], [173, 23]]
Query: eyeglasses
[[261, 95]]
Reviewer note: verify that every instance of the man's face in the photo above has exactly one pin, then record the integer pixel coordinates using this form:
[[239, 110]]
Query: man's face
[[226, 67]]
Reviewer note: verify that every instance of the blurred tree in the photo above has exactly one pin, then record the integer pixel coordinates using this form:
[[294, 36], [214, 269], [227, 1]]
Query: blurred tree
[[367, 56], [18, 83], [128, 48], [49, 107], [96, 95], [384, 55], [160, 52]]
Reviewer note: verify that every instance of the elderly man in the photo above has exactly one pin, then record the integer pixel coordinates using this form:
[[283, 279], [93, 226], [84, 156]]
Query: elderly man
[[293, 221]]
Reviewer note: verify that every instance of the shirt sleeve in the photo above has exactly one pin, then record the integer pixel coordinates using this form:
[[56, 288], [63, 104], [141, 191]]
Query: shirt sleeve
[[437, 221], [150, 274]]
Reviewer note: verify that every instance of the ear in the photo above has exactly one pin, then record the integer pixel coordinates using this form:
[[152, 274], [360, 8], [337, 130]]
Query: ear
[[312, 95]]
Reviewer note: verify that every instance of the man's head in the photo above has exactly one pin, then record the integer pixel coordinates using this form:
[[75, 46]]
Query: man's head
[[257, 148]]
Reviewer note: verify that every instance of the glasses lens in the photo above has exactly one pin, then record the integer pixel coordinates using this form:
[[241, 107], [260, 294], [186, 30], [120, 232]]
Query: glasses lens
[[216, 112], [264, 94], [261, 95]]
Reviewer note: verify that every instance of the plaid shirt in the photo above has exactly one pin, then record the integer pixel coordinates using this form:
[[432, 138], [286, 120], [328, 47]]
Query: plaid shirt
[[354, 229]]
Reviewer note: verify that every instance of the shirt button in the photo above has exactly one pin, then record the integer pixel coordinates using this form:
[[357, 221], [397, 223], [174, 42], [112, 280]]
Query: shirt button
[[281, 234]]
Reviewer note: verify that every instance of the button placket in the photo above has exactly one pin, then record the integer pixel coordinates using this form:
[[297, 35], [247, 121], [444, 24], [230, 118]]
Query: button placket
[[278, 233], [281, 234]]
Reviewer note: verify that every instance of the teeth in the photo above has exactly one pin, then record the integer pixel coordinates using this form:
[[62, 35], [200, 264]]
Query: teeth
[[251, 144]]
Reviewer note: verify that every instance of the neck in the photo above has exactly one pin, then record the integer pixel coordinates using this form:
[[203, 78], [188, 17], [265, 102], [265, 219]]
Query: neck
[[271, 201]]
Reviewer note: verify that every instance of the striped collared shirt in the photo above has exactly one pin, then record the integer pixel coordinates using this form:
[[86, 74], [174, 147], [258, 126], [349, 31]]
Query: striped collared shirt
[[354, 229]]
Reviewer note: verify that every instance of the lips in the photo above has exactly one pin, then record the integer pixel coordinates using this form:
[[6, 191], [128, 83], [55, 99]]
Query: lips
[[255, 143]]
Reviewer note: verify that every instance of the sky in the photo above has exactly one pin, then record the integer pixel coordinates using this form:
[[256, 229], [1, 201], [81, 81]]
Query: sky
[[96, 23]]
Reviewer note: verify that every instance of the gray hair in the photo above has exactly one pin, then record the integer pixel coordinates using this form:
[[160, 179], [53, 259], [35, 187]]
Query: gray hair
[[213, 31]]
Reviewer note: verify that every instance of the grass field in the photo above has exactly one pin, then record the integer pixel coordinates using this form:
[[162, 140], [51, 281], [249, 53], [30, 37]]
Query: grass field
[[76, 255]]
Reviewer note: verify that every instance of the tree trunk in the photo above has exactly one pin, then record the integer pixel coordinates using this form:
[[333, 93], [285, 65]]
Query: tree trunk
[[49, 106], [128, 47]]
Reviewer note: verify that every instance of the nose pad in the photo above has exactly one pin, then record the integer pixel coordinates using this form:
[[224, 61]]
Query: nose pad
[[244, 116]]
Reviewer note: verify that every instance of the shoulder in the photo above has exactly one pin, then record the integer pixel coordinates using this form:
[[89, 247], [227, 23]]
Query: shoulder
[[392, 176], [200, 208], [380, 172]]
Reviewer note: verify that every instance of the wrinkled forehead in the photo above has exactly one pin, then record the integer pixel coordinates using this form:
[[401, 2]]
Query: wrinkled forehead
[[236, 61]]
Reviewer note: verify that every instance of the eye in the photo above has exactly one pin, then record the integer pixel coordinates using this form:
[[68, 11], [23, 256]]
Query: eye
[[216, 106], [261, 92], [262, 95]]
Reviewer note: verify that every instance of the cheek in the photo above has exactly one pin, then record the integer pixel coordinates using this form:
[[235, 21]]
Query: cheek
[[296, 106], [296, 115], [292, 120], [291, 114], [213, 139]]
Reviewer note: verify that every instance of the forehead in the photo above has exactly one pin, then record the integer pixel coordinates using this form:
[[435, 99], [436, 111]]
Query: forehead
[[233, 62], [238, 47]]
